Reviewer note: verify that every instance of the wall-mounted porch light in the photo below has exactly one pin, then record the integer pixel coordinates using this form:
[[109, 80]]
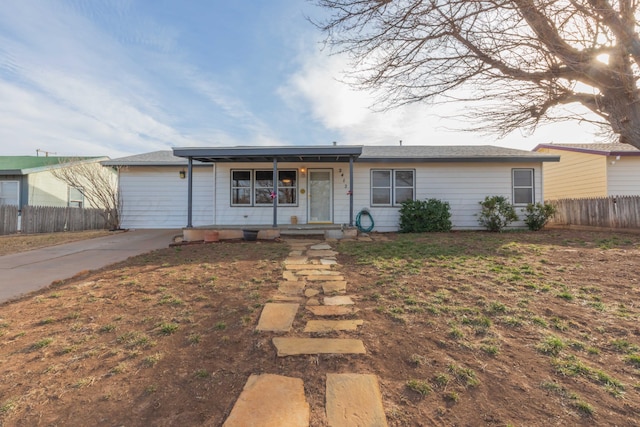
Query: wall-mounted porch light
[[183, 174]]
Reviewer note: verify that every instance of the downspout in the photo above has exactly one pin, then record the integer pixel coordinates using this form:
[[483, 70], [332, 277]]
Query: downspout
[[190, 194], [350, 191], [215, 194], [275, 193]]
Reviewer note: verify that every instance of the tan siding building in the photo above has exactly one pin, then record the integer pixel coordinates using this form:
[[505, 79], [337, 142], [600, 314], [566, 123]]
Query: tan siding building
[[591, 170]]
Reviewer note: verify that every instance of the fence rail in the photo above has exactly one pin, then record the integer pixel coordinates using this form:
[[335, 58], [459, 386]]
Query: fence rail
[[606, 212], [48, 219]]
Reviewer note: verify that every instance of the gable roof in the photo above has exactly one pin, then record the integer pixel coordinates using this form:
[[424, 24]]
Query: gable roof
[[603, 149], [451, 153], [24, 165], [154, 158]]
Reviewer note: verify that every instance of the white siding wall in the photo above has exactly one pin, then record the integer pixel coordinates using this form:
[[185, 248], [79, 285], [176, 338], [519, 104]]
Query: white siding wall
[[156, 197], [46, 190], [463, 185], [623, 177]]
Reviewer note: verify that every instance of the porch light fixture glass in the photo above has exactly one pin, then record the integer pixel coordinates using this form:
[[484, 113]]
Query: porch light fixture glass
[[183, 174]]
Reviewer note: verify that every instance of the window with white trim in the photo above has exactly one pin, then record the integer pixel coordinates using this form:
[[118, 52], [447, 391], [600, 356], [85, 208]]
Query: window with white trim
[[391, 187], [523, 189], [9, 193], [76, 197], [255, 187]]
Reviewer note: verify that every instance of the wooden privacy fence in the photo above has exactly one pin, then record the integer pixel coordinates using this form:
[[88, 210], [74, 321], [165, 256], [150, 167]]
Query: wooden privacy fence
[[8, 219], [48, 219], [607, 212]]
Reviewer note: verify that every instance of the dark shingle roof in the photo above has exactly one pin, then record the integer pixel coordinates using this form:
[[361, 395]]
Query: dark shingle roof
[[155, 158], [450, 153]]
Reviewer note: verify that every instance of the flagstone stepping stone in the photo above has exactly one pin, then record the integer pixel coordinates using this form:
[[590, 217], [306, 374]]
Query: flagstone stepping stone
[[286, 298], [321, 246], [295, 253], [317, 273], [290, 276], [332, 310], [311, 293], [297, 346], [296, 267], [328, 261], [296, 260], [270, 401], [354, 400], [338, 300], [321, 277], [277, 317], [313, 301], [332, 325], [291, 288], [321, 253], [338, 286]]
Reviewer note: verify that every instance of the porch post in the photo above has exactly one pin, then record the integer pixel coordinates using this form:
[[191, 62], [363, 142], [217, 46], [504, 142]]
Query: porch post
[[275, 190], [190, 194], [350, 191]]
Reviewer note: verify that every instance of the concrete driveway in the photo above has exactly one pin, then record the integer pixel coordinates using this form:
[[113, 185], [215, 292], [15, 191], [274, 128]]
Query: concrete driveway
[[27, 271]]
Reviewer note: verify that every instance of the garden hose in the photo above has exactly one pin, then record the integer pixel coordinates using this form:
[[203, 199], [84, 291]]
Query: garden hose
[[364, 212]]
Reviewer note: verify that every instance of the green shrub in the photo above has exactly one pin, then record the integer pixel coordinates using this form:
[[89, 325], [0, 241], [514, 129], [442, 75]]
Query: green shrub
[[418, 216], [496, 213], [537, 215]]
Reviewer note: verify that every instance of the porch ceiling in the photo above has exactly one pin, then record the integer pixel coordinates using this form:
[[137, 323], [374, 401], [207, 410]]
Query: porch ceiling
[[268, 154]]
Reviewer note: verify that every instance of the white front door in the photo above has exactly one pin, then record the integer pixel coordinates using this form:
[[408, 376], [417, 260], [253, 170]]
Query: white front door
[[320, 196]]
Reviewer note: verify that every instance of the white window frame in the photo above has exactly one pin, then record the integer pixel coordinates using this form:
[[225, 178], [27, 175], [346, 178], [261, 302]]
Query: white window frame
[[254, 187], [75, 203], [3, 197], [393, 186], [515, 187]]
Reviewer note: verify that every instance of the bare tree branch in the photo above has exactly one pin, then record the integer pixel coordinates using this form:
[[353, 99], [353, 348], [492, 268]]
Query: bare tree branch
[[525, 56]]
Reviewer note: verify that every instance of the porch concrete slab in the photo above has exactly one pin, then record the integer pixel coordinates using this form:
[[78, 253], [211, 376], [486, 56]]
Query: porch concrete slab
[[269, 400], [323, 277], [297, 346], [321, 253], [296, 260], [321, 246], [354, 400], [317, 272], [296, 267], [332, 325], [291, 288], [334, 287], [277, 317], [332, 310], [338, 300], [328, 261]]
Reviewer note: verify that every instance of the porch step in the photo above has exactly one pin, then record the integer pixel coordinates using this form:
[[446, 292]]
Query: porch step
[[354, 400], [298, 346], [270, 400]]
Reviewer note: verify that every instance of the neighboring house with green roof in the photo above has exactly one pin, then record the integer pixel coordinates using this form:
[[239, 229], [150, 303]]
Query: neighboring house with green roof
[[591, 170], [27, 180]]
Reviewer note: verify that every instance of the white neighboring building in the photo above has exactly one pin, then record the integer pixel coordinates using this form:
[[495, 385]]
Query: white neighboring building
[[233, 186]]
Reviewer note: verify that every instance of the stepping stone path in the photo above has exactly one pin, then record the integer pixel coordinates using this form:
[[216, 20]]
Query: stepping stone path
[[311, 278]]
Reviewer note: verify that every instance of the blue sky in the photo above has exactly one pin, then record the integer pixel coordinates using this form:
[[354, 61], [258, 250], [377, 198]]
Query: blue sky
[[121, 77]]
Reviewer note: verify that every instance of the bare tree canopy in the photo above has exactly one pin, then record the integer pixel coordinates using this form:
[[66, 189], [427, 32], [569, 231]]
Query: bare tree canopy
[[98, 185], [529, 58]]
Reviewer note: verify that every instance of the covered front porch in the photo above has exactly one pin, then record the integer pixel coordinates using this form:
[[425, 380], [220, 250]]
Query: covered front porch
[[275, 190]]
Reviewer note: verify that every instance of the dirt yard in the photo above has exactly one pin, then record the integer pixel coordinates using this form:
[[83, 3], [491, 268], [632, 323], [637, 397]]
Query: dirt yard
[[462, 329]]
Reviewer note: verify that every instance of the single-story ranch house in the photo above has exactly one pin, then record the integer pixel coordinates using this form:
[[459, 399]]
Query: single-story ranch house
[[318, 185]]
